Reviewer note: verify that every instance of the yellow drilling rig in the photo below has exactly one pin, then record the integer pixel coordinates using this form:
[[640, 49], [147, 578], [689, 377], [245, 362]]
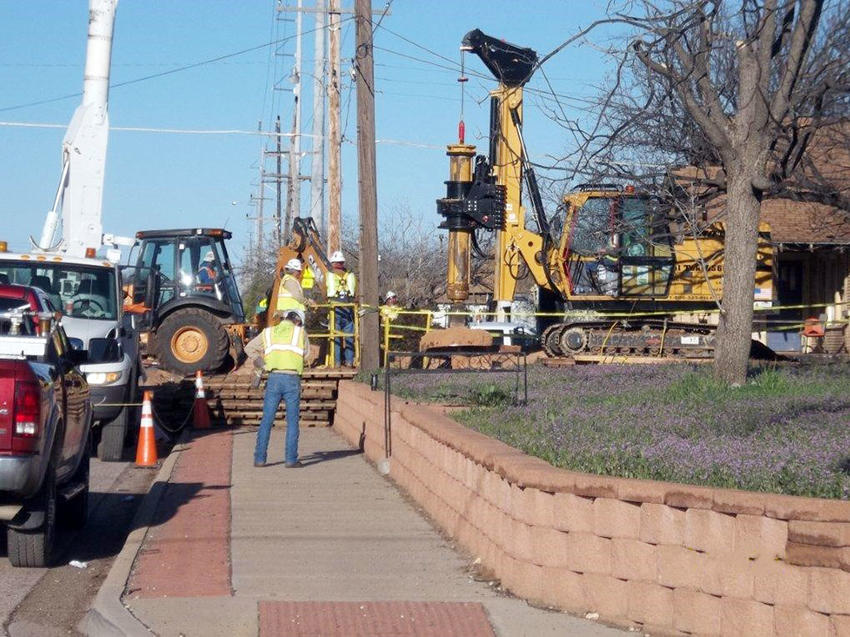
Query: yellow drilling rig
[[627, 277]]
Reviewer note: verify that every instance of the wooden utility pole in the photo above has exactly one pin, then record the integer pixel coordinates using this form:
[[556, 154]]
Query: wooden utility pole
[[317, 171], [334, 141], [367, 186], [293, 193], [278, 231], [261, 186], [294, 200]]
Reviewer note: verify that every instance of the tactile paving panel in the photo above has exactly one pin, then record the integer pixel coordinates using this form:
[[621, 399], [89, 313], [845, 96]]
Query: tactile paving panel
[[374, 619]]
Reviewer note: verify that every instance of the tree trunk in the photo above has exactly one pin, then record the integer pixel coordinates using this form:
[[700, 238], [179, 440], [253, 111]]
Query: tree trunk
[[734, 332]]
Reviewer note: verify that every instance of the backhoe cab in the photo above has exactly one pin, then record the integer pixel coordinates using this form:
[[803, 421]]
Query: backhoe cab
[[183, 291]]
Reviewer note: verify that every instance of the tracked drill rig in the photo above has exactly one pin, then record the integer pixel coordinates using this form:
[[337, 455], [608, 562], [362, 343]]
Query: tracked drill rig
[[629, 278]]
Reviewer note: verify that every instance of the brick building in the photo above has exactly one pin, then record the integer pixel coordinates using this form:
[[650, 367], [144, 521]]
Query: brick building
[[811, 259], [812, 262]]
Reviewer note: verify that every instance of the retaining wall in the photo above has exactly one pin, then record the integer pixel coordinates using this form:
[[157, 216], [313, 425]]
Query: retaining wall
[[673, 559]]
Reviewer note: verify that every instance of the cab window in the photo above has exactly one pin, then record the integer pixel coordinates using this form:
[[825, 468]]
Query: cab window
[[592, 223]]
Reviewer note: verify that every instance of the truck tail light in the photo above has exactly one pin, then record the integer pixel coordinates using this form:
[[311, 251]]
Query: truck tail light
[[27, 416]]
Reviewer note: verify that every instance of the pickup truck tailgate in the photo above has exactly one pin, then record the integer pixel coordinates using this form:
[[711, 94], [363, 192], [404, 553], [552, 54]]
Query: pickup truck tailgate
[[9, 369]]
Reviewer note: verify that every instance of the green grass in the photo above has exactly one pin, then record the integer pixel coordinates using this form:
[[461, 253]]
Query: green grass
[[786, 430]]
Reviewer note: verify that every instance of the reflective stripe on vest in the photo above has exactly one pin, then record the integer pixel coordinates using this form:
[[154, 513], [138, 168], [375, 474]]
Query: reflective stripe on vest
[[285, 300], [284, 347]]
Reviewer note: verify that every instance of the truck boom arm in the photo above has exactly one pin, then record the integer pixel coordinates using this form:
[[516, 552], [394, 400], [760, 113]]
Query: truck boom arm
[[79, 199]]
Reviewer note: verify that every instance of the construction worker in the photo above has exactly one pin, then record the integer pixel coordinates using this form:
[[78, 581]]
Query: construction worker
[[341, 287], [207, 273], [261, 311], [391, 308], [285, 348], [290, 295]]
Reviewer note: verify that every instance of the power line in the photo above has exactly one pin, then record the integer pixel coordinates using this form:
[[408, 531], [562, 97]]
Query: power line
[[419, 46], [416, 59], [161, 74], [383, 14], [270, 64]]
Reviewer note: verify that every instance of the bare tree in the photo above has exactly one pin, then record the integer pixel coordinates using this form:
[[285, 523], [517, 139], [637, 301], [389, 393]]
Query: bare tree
[[254, 277], [744, 91], [412, 259]]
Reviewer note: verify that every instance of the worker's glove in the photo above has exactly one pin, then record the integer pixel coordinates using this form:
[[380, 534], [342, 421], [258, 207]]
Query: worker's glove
[[258, 363], [256, 378]]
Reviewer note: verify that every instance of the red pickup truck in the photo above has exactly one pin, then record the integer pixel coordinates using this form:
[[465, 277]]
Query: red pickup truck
[[45, 424]]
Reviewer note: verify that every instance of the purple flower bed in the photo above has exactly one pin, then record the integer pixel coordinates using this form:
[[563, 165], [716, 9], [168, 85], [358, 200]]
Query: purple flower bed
[[785, 431]]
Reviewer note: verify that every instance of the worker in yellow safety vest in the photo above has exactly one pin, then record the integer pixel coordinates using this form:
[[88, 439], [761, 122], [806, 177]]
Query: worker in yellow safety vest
[[341, 288], [285, 348], [290, 295], [390, 309]]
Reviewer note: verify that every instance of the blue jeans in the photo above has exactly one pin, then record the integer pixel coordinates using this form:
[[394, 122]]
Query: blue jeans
[[344, 347], [286, 387]]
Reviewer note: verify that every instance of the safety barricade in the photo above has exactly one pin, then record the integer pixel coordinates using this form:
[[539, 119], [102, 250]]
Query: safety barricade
[[402, 328], [329, 311], [400, 325]]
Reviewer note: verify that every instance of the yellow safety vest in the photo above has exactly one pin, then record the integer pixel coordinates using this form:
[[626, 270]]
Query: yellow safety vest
[[390, 312], [308, 280], [341, 283], [284, 346], [285, 300]]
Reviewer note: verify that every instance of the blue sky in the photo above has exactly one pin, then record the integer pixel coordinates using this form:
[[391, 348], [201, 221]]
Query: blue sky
[[160, 180]]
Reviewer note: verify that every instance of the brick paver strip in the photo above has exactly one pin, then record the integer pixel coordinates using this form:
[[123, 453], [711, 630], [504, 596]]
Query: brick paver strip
[[374, 619], [187, 550]]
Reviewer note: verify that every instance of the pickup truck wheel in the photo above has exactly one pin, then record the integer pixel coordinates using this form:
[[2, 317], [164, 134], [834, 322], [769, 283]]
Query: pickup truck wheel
[[191, 339], [112, 436], [35, 548], [75, 512]]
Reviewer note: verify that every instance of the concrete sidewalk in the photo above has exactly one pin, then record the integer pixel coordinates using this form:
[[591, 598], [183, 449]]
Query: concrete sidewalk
[[332, 548]]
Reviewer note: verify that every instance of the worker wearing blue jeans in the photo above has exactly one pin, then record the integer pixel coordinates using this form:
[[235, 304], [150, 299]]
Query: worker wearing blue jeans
[[285, 348], [341, 288]]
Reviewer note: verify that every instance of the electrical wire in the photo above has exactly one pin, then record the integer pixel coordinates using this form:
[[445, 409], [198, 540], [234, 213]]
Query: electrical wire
[[381, 19], [152, 76], [420, 46], [271, 67]]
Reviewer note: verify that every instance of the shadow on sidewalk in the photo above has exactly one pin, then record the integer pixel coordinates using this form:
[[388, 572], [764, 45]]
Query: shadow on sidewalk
[[111, 518], [321, 456]]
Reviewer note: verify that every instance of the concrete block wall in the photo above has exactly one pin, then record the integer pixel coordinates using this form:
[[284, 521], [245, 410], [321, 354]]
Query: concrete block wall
[[669, 558]]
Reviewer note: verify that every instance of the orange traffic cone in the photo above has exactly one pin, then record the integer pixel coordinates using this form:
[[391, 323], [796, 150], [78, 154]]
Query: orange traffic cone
[[146, 449], [200, 410]]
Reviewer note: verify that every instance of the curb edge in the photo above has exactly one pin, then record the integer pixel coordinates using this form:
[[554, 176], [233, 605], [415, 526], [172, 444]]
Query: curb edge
[[108, 616]]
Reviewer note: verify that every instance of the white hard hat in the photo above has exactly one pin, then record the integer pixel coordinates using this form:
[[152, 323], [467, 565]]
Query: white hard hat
[[209, 257], [297, 313], [390, 294], [337, 257], [293, 264]]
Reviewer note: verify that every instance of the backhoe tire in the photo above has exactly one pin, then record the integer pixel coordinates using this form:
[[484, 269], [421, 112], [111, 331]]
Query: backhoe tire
[[34, 549], [191, 339]]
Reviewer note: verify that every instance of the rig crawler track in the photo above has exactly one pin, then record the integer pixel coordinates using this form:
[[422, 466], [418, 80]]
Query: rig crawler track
[[653, 338]]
